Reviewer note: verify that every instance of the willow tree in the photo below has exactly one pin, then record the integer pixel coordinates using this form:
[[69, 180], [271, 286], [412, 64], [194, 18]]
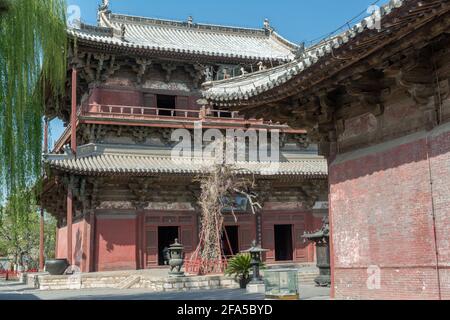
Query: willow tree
[[32, 65]]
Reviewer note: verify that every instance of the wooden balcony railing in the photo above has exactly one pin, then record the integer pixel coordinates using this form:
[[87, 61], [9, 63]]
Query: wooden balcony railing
[[146, 112], [216, 117]]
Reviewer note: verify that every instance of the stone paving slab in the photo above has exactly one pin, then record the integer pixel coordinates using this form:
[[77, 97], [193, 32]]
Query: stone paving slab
[[17, 291]]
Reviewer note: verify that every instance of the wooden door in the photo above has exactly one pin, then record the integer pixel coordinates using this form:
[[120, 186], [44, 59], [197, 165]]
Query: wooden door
[[300, 252], [182, 103], [268, 242], [246, 236], [193, 105], [149, 102], [151, 236], [187, 240]]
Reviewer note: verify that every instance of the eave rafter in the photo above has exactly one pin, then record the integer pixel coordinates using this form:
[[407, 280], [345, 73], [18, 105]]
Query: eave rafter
[[319, 99], [356, 56]]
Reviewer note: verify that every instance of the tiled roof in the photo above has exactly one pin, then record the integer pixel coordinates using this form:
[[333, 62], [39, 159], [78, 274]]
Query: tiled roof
[[239, 89], [187, 38], [125, 160]]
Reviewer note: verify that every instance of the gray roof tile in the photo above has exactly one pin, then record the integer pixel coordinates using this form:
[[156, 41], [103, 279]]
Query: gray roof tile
[[231, 91], [180, 37], [116, 160]]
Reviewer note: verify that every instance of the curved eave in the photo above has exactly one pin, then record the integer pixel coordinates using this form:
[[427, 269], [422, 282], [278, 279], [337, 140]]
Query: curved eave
[[240, 92], [190, 173], [115, 45]]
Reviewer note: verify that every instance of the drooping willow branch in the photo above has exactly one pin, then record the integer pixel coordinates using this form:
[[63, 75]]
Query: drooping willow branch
[[32, 65]]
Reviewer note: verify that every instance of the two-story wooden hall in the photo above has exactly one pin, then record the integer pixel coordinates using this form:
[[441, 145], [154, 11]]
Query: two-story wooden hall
[[118, 195]]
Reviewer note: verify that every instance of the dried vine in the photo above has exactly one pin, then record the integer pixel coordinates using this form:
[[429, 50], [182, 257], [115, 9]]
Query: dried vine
[[218, 190]]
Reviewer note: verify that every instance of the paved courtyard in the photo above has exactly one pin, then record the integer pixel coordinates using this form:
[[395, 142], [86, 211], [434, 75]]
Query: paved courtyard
[[17, 291]]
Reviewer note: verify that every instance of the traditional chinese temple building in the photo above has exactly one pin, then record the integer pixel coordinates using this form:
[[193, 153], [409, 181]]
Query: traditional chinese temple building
[[376, 100], [118, 195]]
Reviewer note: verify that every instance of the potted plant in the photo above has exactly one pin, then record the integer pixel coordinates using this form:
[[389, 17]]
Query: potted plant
[[240, 266]]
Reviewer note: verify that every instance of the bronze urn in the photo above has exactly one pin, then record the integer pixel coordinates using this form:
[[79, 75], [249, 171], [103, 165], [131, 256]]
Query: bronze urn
[[176, 259]]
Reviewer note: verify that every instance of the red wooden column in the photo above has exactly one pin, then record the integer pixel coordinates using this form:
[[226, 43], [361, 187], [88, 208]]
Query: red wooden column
[[87, 241], [73, 146], [140, 221], [73, 115], [138, 255], [258, 228], [90, 243], [69, 223]]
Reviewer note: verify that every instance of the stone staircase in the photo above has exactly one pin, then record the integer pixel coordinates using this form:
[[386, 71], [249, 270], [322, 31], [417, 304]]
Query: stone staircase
[[306, 272], [307, 278]]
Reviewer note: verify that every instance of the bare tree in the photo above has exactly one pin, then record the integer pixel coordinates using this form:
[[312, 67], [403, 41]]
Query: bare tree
[[218, 191]]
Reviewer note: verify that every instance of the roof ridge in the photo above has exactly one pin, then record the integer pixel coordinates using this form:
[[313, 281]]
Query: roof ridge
[[186, 38], [185, 24], [284, 41], [250, 75], [308, 53]]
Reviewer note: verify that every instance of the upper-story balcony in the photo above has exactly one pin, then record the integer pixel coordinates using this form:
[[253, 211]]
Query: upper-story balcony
[[169, 116], [164, 108], [165, 115], [132, 108]]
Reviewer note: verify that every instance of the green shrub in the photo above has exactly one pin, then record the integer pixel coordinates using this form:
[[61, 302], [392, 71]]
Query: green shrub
[[240, 267]]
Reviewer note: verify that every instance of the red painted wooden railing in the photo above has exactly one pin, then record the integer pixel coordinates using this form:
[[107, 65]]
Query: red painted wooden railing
[[121, 110], [14, 275], [213, 266]]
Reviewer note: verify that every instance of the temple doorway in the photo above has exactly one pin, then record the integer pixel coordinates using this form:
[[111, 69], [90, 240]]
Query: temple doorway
[[166, 237], [167, 103], [283, 243], [230, 246]]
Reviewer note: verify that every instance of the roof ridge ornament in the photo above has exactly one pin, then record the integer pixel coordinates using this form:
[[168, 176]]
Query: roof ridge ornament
[[103, 10], [267, 28], [190, 21], [300, 52], [104, 6], [103, 20]]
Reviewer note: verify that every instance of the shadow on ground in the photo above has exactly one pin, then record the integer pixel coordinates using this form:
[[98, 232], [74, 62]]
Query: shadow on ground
[[16, 291]]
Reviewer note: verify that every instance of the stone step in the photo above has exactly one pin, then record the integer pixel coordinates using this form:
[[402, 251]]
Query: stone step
[[307, 278], [129, 282]]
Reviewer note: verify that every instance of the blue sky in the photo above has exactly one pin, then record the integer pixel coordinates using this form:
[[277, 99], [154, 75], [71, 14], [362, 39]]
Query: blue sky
[[296, 20]]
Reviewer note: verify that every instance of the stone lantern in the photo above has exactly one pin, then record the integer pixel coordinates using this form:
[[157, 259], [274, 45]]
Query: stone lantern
[[321, 239], [256, 285], [176, 259]]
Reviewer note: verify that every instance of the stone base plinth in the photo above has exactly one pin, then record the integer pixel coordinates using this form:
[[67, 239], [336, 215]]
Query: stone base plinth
[[144, 279]]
